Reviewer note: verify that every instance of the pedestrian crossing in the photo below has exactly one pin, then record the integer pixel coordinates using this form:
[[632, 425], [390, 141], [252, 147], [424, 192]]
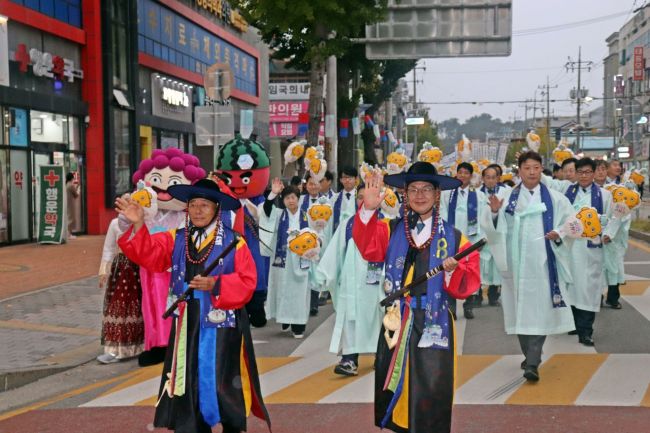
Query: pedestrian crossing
[[571, 374]]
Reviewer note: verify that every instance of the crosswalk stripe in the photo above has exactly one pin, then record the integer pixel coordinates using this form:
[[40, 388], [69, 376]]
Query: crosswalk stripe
[[142, 374], [317, 386], [471, 365], [645, 401], [563, 343], [361, 390], [634, 288], [563, 377], [620, 381], [493, 385]]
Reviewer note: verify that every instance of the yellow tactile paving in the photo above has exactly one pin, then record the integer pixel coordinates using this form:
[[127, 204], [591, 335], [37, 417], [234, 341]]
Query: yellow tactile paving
[[563, 377], [42, 327]]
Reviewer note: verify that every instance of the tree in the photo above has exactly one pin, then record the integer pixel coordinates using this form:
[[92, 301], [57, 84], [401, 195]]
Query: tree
[[307, 32]]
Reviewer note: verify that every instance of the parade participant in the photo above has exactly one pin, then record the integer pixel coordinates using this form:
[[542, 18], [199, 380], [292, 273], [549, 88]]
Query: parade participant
[[306, 200], [122, 327], [414, 379], [569, 170], [298, 182], [356, 288], [344, 202], [587, 258], [490, 275], [614, 171], [165, 168], [245, 166], [326, 185], [557, 172], [600, 175], [461, 208], [527, 246], [289, 297], [213, 348]]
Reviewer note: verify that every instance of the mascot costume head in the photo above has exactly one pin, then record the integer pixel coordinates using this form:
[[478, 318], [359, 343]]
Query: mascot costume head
[[245, 166]]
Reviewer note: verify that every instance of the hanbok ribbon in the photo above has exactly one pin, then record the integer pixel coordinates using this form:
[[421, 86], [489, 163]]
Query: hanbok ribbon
[[281, 245], [472, 207], [208, 404]]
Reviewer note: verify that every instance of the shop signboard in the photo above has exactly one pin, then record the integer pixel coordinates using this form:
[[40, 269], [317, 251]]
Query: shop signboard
[[52, 211], [171, 99], [289, 91]]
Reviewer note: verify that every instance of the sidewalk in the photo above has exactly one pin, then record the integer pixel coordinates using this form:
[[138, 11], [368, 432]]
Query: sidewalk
[[50, 308]]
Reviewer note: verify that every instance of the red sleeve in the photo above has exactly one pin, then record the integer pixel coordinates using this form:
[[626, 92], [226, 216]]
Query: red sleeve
[[372, 238], [466, 278], [237, 288], [152, 252]]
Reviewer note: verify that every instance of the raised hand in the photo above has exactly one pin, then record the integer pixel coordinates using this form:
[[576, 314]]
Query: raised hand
[[495, 203], [277, 186], [131, 210], [372, 195]]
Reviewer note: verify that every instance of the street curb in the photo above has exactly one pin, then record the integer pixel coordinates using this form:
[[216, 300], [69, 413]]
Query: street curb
[[12, 379], [640, 235]]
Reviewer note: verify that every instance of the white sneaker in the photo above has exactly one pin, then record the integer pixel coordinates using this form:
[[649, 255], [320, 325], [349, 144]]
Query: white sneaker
[[298, 336], [108, 358]]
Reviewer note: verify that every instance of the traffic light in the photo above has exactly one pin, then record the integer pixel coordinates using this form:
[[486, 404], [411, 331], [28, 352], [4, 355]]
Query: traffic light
[[558, 134]]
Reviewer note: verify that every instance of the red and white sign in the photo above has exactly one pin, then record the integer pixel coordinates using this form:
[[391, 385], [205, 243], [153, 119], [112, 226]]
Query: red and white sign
[[47, 65], [639, 63], [286, 111], [288, 129]]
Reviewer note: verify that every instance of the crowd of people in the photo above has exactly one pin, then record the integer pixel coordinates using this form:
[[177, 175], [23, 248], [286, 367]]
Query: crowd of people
[[554, 255]]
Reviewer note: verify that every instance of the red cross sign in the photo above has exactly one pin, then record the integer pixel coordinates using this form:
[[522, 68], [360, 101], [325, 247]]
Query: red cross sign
[[52, 178]]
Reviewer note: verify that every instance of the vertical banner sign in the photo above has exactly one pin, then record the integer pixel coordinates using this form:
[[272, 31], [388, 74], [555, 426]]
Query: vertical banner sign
[[638, 63], [4, 53], [52, 189], [246, 123]]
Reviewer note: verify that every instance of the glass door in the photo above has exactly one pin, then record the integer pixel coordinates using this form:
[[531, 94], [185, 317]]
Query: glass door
[[38, 159], [19, 193]]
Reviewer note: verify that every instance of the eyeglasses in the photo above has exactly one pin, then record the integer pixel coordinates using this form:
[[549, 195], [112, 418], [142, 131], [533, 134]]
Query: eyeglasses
[[584, 172], [426, 190]]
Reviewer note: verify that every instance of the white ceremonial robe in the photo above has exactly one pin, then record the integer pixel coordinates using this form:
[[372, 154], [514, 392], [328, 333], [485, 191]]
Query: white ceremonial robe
[[472, 233], [288, 293], [587, 263], [490, 274], [525, 289], [356, 303], [618, 229]]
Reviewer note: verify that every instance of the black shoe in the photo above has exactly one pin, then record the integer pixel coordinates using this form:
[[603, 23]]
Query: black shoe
[[616, 306], [313, 312], [494, 303], [154, 356], [523, 364], [347, 368], [574, 332], [469, 314], [285, 327], [322, 301], [531, 374], [586, 341]]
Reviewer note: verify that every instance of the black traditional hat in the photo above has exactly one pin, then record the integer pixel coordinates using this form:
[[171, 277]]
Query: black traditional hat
[[206, 189], [424, 172]]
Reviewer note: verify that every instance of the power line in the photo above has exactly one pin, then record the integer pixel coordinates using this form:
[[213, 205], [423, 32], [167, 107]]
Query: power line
[[513, 101], [495, 70], [538, 30]]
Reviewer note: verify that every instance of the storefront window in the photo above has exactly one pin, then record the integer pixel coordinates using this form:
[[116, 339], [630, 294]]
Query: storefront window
[[74, 133], [122, 151], [48, 127], [168, 139]]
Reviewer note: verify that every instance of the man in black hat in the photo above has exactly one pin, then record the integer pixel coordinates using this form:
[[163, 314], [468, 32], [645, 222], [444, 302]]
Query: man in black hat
[[210, 336], [414, 376]]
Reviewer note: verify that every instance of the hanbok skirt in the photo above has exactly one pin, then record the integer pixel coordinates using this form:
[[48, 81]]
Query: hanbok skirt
[[430, 390], [234, 349], [122, 325]]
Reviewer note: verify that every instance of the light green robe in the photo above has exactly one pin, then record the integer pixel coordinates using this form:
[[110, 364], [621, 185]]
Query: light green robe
[[288, 293], [520, 256], [587, 263], [618, 230], [461, 212], [356, 303]]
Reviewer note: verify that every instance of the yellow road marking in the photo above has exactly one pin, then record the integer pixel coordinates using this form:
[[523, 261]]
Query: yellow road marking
[[645, 402], [639, 245], [562, 379], [264, 365], [85, 352], [140, 375], [63, 396], [471, 365], [319, 385], [41, 327], [634, 288]]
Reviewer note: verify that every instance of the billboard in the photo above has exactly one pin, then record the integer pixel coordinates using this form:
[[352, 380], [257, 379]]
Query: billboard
[[417, 29]]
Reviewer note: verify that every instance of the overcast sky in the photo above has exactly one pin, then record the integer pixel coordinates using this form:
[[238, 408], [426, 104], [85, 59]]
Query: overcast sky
[[533, 58]]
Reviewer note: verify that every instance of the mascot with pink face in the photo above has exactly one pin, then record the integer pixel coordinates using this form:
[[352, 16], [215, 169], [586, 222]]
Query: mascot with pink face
[[165, 168]]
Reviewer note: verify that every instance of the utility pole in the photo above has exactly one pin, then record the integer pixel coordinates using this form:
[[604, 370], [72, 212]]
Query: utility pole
[[579, 66], [415, 107], [546, 90]]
